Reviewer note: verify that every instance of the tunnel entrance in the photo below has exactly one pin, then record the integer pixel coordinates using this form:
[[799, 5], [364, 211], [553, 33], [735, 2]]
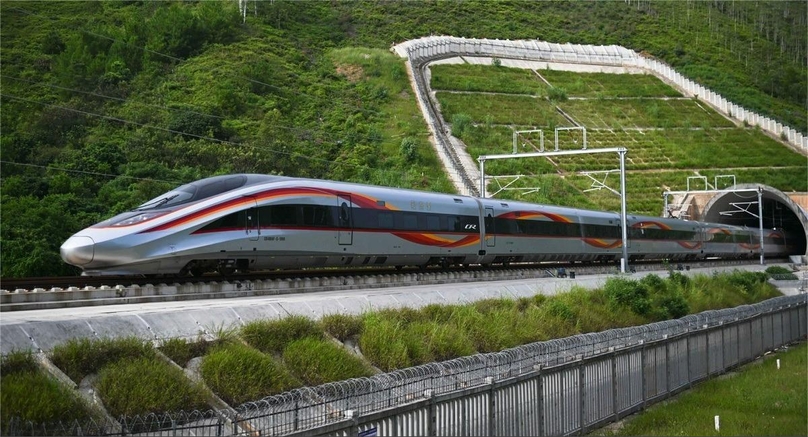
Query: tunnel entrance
[[779, 212]]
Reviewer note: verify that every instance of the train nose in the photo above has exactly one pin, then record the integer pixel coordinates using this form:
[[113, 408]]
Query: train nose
[[78, 250]]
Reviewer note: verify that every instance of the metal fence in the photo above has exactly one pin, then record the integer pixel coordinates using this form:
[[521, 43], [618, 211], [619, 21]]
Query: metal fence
[[557, 387]]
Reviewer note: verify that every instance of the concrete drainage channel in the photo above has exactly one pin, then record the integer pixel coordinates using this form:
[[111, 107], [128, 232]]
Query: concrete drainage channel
[[40, 298]]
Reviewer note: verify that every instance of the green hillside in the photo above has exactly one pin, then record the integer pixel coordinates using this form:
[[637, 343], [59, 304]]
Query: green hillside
[[106, 104]]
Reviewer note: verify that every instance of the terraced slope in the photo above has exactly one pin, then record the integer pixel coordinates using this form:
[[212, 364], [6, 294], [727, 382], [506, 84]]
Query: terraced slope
[[668, 136]]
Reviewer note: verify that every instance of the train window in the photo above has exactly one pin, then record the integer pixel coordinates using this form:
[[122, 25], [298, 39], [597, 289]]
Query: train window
[[344, 215], [432, 223], [219, 186], [408, 222], [316, 215], [489, 224], [283, 215], [453, 224], [385, 220], [229, 222], [364, 218]]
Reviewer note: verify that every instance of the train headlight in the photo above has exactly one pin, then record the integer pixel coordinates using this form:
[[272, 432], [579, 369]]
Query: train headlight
[[140, 218]]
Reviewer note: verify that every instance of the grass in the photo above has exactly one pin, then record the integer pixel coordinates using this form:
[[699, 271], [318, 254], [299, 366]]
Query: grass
[[29, 394], [483, 78], [757, 400], [317, 361], [181, 351], [81, 357], [501, 109], [601, 85], [272, 336], [239, 373], [147, 385]]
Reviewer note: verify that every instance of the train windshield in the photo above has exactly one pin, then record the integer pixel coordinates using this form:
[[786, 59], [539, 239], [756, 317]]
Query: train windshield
[[195, 191]]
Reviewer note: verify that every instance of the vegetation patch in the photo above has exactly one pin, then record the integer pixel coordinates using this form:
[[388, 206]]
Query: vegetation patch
[[762, 398], [147, 385], [341, 326], [28, 394], [483, 78], [605, 85], [182, 351], [317, 361], [239, 373], [81, 357], [272, 336], [781, 273]]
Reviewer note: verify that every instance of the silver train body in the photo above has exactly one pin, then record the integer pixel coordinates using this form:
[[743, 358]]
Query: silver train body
[[252, 222]]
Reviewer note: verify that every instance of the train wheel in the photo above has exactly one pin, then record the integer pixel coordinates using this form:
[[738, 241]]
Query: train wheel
[[444, 263], [225, 270], [197, 271], [399, 267]]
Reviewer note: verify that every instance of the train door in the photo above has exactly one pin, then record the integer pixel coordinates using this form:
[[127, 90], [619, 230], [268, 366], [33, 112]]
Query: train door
[[251, 221], [344, 219], [490, 237]]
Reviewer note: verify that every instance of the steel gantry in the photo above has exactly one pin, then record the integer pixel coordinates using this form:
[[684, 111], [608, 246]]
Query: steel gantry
[[621, 151]]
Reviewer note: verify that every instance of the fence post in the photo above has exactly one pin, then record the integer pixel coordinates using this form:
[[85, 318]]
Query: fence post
[[431, 413], [354, 429], [642, 371], [541, 401], [689, 367], [707, 350], [614, 387], [491, 404], [582, 394], [723, 343], [667, 366]]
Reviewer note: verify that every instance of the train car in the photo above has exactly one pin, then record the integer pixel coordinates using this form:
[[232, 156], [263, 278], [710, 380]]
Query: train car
[[252, 222]]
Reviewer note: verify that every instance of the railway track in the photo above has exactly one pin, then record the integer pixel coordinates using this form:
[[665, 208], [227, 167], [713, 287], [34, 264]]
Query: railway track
[[62, 292]]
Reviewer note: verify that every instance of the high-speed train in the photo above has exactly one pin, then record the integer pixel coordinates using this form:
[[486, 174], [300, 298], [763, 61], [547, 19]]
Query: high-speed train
[[252, 222]]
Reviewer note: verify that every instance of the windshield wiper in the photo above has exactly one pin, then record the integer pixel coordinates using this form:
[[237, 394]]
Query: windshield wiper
[[157, 203]]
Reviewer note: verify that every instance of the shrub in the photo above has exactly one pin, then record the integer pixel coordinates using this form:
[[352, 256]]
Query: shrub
[[341, 326], [81, 357], [147, 385], [559, 309], [272, 336], [557, 94], [239, 373], [460, 124], [316, 362], [409, 150], [628, 293]]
